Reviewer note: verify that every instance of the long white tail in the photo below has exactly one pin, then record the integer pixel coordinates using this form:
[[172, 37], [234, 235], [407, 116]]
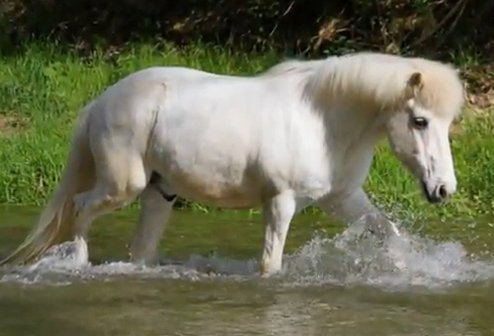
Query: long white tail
[[56, 222]]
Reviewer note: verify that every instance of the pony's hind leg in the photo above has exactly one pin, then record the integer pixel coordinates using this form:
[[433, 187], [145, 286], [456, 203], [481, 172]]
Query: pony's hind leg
[[120, 178], [93, 204], [156, 207]]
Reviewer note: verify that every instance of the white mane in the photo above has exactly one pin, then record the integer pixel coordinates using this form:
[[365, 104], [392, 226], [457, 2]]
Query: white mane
[[378, 80], [291, 66]]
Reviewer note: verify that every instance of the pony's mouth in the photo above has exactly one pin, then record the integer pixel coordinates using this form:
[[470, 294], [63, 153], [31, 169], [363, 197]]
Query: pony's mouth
[[437, 195]]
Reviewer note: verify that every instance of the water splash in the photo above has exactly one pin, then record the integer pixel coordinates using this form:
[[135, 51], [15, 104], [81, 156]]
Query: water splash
[[354, 257], [400, 263], [68, 262], [68, 257]]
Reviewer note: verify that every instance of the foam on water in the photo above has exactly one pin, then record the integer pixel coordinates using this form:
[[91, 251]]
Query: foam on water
[[352, 258]]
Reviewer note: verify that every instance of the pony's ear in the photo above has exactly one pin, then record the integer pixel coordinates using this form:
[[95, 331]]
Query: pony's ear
[[415, 80], [414, 84]]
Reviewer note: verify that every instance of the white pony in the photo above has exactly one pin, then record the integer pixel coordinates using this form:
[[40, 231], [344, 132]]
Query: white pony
[[301, 133]]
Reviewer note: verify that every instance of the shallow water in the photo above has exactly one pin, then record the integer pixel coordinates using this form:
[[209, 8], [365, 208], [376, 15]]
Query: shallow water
[[438, 280]]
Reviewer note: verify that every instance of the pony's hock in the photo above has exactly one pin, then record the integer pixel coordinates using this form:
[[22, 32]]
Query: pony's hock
[[301, 133]]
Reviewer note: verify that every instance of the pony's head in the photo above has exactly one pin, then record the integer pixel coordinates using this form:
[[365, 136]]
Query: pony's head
[[418, 128], [414, 98]]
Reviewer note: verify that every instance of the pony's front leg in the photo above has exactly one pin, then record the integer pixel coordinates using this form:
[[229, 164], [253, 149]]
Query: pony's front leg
[[277, 215], [357, 206]]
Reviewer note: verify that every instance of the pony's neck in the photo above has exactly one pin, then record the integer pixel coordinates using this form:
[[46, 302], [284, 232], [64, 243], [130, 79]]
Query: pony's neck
[[347, 102], [353, 126], [351, 137]]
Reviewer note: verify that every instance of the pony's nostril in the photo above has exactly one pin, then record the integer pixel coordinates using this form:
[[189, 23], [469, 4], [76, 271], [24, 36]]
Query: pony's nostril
[[442, 191]]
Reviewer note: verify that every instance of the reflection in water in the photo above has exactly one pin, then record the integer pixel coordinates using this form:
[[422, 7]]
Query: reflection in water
[[177, 307], [348, 314], [293, 314], [334, 284]]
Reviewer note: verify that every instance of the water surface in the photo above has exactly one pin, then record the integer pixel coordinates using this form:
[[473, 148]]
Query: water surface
[[207, 283]]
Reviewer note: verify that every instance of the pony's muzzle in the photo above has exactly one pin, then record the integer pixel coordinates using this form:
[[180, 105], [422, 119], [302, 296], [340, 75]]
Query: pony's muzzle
[[438, 194]]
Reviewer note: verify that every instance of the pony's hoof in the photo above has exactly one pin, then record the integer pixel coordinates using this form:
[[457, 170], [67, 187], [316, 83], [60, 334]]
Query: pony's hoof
[[267, 271]]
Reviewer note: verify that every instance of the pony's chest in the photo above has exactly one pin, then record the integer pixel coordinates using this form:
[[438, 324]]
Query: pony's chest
[[311, 176]]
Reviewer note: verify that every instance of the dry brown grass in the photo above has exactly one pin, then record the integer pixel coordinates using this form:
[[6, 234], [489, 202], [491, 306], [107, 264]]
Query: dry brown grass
[[10, 125]]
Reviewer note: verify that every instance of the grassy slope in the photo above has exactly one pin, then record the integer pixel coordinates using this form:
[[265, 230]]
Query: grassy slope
[[43, 89]]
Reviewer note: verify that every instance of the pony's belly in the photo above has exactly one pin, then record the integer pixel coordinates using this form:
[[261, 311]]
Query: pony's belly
[[216, 192], [228, 199]]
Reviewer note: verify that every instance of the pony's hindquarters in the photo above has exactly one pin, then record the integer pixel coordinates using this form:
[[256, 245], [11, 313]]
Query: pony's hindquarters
[[56, 221], [120, 177]]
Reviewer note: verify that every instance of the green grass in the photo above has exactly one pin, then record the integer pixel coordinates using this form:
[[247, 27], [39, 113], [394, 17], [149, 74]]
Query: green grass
[[42, 89]]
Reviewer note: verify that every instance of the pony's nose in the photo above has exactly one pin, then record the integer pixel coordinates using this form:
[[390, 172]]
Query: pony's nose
[[443, 193], [436, 195]]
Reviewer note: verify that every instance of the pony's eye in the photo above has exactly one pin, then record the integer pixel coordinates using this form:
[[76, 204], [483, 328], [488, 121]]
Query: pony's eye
[[420, 122]]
